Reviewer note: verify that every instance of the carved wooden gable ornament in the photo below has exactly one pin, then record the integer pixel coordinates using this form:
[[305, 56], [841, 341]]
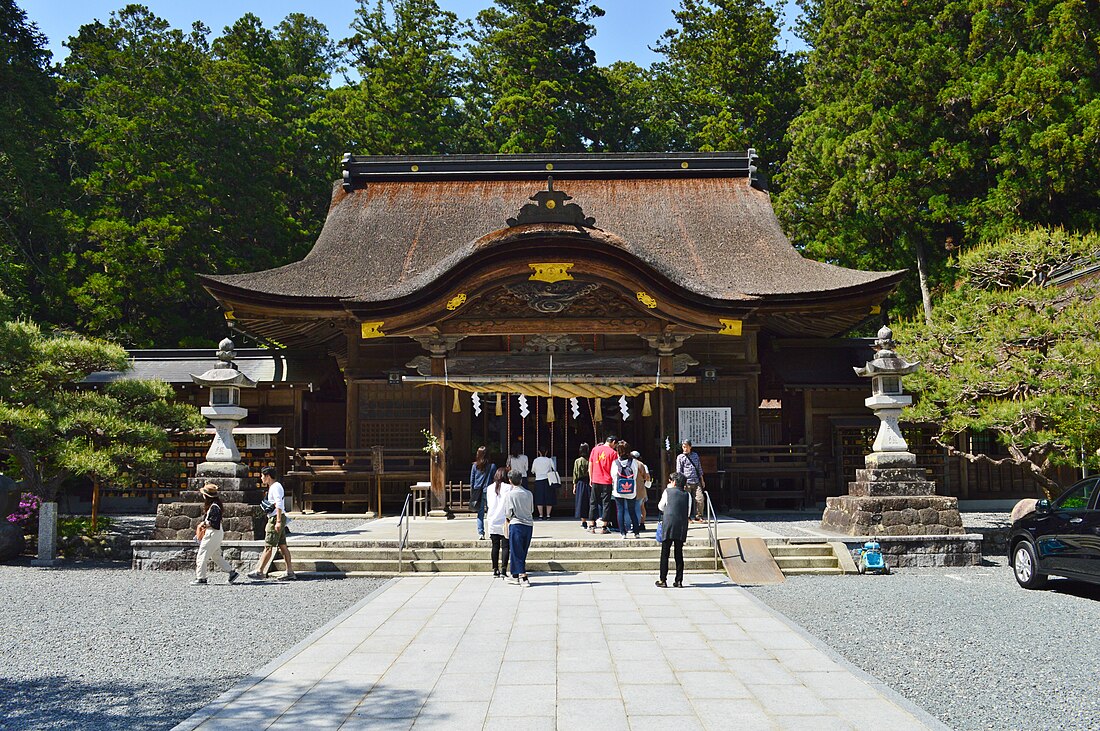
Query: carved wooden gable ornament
[[550, 206]]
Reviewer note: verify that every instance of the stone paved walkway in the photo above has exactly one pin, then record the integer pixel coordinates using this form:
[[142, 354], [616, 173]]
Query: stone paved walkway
[[606, 651]]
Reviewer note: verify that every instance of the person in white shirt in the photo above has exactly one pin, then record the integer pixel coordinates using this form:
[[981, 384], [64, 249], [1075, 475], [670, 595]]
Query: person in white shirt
[[494, 522], [517, 462], [546, 490], [519, 507], [275, 535]]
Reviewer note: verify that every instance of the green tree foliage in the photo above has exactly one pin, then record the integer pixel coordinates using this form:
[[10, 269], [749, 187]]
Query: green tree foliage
[[407, 55], [725, 83], [930, 125], [1008, 353], [533, 78], [629, 118], [51, 431], [187, 159], [29, 183]]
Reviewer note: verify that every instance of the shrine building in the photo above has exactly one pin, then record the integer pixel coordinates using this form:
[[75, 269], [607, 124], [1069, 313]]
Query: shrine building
[[549, 300]]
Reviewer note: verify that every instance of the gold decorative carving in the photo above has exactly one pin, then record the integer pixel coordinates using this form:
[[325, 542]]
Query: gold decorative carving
[[551, 272], [229, 316], [457, 301], [647, 300], [551, 205], [729, 327], [371, 330], [876, 309]]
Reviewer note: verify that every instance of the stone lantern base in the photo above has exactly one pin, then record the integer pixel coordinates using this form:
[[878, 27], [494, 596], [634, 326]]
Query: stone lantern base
[[892, 502], [242, 518]]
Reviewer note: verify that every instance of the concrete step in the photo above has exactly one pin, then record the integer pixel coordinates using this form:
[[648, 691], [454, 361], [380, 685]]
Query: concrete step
[[380, 567], [806, 562], [801, 549], [811, 572], [626, 550]]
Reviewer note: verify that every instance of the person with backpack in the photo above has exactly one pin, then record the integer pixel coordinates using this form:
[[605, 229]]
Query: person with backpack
[[209, 535], [624, 488], [481, 474]]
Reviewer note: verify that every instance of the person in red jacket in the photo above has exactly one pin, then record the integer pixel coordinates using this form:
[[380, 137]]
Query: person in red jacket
[[599, 472]]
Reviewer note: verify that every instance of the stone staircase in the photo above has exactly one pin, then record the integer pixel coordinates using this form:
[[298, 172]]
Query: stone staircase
[[794, 556], [380, 558], [800, 557]]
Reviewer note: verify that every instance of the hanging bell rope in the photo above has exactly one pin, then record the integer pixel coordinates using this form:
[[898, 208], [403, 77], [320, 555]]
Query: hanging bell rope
[[550, 417]]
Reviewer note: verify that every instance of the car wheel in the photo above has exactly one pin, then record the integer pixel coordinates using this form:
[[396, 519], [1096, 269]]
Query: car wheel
[[1025, 566]]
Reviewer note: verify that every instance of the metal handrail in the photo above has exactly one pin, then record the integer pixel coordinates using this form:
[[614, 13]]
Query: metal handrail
[[403, 522], [712, 528]]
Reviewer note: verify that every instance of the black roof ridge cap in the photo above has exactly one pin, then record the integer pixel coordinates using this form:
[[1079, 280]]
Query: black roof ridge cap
[[530, 156]]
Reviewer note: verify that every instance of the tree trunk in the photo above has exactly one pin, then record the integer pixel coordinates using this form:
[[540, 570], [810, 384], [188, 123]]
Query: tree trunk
[[922, 274]]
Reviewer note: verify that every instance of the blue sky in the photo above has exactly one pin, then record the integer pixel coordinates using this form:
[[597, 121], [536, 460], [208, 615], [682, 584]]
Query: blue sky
[[625, 32]]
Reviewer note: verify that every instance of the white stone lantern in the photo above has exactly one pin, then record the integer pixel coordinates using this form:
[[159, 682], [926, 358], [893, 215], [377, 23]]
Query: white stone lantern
[[224, 413], [887, 400]]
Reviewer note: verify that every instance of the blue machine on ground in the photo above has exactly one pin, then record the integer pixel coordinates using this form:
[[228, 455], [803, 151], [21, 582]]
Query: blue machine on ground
[[870, 559]]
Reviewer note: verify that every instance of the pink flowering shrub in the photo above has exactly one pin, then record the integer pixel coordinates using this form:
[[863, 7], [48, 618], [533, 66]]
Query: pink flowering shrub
[[26, 515]]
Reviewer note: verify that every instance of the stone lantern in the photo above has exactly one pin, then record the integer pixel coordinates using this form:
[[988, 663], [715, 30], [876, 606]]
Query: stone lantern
[[224, 413], [892, 498], [886, 401], [242, 518]]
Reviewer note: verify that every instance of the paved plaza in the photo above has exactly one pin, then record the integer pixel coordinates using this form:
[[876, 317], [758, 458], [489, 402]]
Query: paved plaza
[[573, 651]]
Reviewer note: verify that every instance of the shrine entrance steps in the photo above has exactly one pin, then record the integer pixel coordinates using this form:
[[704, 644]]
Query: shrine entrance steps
[[380, 558], [325, 558]]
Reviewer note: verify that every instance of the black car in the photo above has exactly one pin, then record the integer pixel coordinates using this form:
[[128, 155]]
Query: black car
[[1060, 537]]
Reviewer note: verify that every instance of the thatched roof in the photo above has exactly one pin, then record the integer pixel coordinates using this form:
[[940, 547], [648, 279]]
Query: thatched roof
[[397, 224]]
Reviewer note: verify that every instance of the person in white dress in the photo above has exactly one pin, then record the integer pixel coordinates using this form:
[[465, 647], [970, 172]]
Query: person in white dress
[[495, 522]]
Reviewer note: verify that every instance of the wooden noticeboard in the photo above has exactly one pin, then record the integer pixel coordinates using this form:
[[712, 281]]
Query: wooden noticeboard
[[707, 426]]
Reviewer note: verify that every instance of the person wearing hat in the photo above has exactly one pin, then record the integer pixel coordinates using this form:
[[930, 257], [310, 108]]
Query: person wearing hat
[[210, 534]]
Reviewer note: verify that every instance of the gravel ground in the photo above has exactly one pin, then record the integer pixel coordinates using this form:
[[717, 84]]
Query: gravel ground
[[967, 645], [98, 646]]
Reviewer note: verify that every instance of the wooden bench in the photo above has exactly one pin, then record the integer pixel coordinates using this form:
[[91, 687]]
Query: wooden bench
[[757, 473]]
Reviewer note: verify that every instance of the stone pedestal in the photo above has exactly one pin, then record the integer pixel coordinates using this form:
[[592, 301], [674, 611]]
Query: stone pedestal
[[47, 535], [242, 519], [896, 501]]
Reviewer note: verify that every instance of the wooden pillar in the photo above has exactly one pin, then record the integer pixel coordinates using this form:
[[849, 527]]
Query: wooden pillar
[[752, 386], [351, 375], [438, 429], [667, 416]]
